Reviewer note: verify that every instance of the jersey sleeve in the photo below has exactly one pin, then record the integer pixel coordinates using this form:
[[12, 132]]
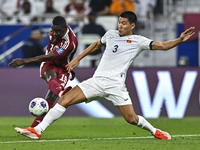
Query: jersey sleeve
[[104, 37], [145, 43]]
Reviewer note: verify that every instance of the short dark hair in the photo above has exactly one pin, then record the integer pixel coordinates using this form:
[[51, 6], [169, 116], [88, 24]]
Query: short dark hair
[[59, 21], [131, 16]]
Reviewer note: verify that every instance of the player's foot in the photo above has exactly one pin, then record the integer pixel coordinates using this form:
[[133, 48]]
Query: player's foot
[[66, 90], [29, 132], [162, 135]]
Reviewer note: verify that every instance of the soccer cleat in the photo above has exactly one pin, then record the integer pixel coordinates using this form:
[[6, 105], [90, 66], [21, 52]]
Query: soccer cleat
[[29, 132], [66, 90], [162, 135]]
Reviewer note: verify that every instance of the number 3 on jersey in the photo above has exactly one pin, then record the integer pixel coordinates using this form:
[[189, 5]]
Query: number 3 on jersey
[[115, 50]]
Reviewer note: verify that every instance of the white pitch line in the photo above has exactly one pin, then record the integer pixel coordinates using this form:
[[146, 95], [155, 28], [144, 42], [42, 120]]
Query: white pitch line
[[68, 140]]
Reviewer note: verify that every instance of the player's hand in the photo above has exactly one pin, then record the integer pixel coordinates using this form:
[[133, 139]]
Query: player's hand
[[16, 62], [70, 66], [187, 34]]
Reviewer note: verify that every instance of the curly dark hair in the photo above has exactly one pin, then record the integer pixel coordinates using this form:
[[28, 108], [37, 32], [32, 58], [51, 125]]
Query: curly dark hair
[[59, 21]]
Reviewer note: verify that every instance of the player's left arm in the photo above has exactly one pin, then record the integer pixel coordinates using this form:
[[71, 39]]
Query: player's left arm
[[170, 44]]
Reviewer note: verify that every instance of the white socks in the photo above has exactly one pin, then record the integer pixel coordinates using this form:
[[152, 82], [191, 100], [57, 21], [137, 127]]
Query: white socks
[[57, 111], [144, 124], [53, 114]]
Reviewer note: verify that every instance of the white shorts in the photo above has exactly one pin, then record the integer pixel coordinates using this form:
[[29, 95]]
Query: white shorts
[[97, 88]]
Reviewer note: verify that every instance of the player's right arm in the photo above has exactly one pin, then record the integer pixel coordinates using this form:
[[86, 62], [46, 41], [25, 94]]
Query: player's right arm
[[93, 47], [18, 62]]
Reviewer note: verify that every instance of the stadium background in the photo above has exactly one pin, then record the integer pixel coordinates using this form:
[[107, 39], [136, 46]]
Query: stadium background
[[19, 86]]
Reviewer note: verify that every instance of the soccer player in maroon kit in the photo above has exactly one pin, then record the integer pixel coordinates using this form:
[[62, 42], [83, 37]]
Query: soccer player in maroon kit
[[60, 51]]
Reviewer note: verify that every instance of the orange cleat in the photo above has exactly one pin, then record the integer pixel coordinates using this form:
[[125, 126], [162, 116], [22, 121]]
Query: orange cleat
[[162, 135], [29, 132]]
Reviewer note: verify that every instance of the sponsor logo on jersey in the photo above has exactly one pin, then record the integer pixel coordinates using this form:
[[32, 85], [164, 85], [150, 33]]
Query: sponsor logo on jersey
[[60, 51]]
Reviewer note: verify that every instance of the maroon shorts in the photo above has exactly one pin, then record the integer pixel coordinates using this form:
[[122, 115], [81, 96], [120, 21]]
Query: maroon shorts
[[62, 75]]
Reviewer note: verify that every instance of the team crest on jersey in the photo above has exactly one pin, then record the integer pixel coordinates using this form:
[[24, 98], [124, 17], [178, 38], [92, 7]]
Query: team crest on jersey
[[128, 41], [60, 51]]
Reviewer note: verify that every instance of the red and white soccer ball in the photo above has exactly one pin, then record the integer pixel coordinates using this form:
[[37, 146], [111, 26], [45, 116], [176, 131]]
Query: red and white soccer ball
[[38, 107]]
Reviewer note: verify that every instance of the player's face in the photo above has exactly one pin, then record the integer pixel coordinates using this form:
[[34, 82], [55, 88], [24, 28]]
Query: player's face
[[124, 27], [58, 31]]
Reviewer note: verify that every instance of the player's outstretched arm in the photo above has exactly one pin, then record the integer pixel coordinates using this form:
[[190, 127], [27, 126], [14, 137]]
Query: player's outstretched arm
[[19, 62], [74, 63], [170, 44]]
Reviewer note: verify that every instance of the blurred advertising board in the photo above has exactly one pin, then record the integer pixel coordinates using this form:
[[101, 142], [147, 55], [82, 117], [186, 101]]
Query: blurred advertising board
[[155, 92]]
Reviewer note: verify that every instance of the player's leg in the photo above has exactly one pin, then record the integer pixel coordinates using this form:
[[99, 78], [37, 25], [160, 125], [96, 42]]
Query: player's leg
[[57, 81], [74, 96], [50, 98], [131, 117], [55, 88], [50, 76], [81, 93]]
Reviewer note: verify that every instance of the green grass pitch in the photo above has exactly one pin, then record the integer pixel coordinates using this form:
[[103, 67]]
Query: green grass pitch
[[85, 133]]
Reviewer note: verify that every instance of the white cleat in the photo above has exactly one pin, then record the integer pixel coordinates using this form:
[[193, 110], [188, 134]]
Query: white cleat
[[29, 132]]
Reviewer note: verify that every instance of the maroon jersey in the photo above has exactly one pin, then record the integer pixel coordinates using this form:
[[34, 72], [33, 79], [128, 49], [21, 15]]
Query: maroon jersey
[[64, 48]]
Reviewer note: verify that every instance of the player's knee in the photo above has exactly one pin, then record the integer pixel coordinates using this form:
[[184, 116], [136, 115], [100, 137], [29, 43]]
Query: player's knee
[[67, 100], [132, 120]]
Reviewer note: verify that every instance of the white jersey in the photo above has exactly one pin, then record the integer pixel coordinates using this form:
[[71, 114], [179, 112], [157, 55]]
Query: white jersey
[[119, 53]]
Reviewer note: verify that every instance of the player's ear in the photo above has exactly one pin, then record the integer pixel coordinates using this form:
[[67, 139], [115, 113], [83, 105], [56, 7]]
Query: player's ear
[[66, 29], [132, 26]]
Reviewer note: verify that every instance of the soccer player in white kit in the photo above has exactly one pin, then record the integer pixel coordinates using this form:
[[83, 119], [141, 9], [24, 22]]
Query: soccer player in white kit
[[108, 81]]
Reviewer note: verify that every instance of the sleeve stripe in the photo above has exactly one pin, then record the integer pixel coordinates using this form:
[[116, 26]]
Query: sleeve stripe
[[66, 44], [102, 43], [150, 45]]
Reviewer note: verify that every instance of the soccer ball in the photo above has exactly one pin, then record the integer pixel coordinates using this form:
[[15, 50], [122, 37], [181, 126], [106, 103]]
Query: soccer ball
[[38, 107]]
